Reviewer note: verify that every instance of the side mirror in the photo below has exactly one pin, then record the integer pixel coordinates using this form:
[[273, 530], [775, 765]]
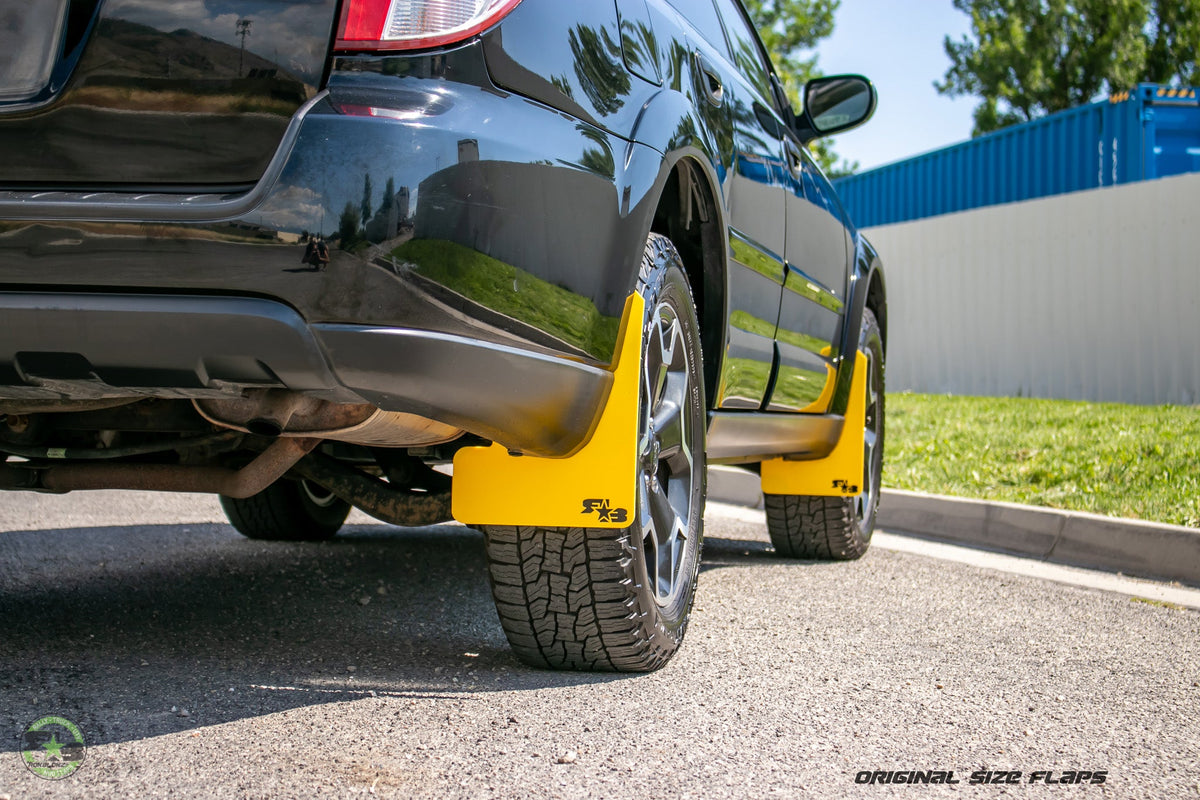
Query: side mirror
[[834, 104]]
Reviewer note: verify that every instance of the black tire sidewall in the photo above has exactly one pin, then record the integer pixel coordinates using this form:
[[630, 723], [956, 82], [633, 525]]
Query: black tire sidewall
[[284, 512], [327, 516]]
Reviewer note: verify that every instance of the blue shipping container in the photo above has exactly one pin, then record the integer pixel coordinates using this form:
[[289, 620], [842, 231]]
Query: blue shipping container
[[1151, 132]]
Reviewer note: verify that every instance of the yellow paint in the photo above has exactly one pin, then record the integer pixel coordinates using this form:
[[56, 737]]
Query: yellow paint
[[596, 487], [840, 474]]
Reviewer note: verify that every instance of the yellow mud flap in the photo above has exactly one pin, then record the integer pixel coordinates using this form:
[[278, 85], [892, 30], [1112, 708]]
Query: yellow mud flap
[[840, 473], [593, 488]]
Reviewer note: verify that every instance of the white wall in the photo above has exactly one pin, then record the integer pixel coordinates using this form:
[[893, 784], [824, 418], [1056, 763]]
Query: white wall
[[1092, 296]]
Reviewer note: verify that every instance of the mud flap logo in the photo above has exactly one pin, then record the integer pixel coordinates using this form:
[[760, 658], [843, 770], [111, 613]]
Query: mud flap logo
[[604, 511], [845, 487]]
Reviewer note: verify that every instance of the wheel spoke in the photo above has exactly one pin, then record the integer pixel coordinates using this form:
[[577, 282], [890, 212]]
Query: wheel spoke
[[662, 513], [668, 426], [678, 495], [670, 339], [664, 541]]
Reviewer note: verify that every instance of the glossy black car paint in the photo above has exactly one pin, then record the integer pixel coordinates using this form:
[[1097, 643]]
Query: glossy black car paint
[[142, 94], [534, 160]]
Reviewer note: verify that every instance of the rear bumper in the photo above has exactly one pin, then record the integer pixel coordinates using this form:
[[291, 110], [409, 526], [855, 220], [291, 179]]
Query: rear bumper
[[477, 272], [530, 241], [68, 345]]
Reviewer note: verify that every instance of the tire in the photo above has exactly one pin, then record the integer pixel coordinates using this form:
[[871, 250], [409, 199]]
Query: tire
[[837, 528], [598, 599], [288, 511]]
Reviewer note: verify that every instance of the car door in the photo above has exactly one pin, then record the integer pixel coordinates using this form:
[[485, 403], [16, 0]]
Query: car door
[[755, 191], [812, 306]]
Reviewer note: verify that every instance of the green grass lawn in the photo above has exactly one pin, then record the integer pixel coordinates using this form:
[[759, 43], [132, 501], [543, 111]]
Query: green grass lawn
[[1139, 462]]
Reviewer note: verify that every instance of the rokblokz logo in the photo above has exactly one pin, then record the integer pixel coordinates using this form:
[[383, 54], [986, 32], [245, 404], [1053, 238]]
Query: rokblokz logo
[[52, 747], [604, 511], [980, 777]]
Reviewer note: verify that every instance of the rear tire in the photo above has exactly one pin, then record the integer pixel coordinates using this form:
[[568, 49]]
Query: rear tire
[[601, 599], [837, 528], [288, 511]]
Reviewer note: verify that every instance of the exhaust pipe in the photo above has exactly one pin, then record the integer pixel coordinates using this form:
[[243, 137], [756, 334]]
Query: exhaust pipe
[[268, 467]]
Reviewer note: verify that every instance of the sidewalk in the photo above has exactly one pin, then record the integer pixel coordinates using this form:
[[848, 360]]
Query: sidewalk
[[1129, 547]]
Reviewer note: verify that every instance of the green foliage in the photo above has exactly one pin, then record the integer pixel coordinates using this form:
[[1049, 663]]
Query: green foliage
[[1126, 461], [1174, 43], [1029, 58], [788, 27]]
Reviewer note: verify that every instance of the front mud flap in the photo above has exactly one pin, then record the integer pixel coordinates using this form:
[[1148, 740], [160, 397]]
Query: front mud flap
[[839, 474], [595, 487]]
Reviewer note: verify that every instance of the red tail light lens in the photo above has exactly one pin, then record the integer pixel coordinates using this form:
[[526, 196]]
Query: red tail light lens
[[415, 24]]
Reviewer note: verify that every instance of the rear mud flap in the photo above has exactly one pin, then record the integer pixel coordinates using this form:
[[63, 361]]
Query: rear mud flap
[[839, 474], [595, 488]]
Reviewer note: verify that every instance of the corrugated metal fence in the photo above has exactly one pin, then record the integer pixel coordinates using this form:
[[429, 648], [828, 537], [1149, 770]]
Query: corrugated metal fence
[[1150, 133], [1092, 295]]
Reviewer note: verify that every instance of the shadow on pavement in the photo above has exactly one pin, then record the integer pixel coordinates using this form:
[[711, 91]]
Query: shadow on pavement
[[114, 627]]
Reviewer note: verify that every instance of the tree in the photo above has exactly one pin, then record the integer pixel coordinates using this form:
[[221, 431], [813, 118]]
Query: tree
[[389, 197], [348, 227], [787, 29], [365, 206], [1029, 58], [1174, 43]]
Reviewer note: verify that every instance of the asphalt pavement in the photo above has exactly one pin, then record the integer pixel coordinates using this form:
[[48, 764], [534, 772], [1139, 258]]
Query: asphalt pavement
[[201, 664]]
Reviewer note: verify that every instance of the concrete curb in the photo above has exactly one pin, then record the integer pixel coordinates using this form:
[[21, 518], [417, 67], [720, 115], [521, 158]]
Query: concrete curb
[[1131, 547]]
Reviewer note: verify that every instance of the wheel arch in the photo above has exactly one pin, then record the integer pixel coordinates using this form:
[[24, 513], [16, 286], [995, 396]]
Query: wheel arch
[[868, 290], [689, 215], [877, 293]]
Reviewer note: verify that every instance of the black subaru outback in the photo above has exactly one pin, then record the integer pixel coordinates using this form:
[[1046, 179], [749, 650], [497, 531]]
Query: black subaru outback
[[306, 254]]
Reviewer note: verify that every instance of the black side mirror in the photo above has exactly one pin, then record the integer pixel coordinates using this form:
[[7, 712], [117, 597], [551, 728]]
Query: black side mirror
[[834, 104]]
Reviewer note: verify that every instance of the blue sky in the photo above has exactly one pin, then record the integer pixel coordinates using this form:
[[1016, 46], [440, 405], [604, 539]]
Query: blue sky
[[898, 45]]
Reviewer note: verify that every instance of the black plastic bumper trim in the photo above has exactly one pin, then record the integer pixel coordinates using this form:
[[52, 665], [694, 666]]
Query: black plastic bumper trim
[[77, 345], [55, 345], [531, 402]]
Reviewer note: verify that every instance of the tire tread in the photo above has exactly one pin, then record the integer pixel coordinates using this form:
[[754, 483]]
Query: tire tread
[[565, 603], [814, 527]]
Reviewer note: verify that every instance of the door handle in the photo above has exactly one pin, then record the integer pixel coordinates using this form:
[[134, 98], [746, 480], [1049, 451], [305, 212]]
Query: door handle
[[714, 88], [794, 159]]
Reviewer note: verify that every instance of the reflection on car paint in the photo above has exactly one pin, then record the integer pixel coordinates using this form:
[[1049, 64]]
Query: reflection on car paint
[[169, 94], [507, 291]]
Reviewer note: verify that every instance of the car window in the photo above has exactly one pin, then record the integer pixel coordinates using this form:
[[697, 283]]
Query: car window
[[704, 17], [746, 53]]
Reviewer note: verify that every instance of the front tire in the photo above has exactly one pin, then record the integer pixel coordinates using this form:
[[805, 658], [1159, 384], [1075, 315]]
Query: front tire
[[837, 528], [599, 599], [288, 511]]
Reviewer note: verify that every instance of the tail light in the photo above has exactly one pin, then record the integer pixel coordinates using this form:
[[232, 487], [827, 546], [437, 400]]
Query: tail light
[[415, 24]]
